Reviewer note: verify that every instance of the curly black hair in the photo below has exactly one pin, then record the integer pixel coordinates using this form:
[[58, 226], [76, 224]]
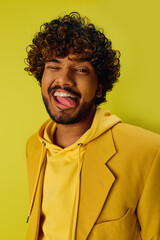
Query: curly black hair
[[73, 34]]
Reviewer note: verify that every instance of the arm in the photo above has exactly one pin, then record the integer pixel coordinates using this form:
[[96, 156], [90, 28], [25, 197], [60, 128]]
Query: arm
[[148, 209]]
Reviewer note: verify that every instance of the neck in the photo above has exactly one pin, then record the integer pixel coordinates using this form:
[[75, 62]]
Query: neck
[[67, 135]]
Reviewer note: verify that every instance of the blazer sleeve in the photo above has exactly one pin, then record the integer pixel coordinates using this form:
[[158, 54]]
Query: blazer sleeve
[[148, 209]]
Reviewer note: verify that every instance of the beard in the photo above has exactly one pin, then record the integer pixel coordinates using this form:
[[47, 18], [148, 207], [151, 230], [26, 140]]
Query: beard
[[65, 119]]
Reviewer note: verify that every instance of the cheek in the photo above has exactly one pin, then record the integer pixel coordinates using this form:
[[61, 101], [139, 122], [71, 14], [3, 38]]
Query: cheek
[[45, 83], [44, 88], [46, 78], [89, 90]]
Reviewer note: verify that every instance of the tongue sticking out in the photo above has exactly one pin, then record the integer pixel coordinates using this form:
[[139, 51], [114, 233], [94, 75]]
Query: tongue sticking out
[[67, 101]]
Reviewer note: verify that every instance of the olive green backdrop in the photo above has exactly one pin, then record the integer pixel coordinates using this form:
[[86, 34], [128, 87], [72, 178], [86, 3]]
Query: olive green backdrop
[[133, 27]]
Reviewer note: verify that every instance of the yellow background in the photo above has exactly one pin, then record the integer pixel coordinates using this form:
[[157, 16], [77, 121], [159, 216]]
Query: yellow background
[[133, 27]]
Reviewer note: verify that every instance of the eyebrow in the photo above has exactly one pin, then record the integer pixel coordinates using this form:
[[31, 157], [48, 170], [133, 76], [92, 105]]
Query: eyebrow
[[54, 60], [72, 59], [81, 59]]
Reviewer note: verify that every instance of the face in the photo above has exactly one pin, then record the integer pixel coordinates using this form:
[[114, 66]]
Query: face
[[69, 89]]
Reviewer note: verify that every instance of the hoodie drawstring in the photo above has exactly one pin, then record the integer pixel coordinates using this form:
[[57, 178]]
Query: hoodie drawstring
[[42, 157], [76, 201]]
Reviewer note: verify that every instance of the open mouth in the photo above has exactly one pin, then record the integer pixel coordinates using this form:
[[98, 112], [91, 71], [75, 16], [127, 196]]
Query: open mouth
[[65, 99]]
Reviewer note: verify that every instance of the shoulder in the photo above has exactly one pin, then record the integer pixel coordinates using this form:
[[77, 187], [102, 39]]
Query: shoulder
[[33, 148], [131, 131], [137, 150], [129, 135], [33, 142]]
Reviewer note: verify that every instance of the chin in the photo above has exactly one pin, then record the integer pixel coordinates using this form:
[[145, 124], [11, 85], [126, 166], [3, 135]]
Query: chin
[[63, 116]]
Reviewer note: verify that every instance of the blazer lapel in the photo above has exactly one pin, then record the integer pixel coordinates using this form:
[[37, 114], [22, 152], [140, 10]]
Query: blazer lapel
[[96, 182]]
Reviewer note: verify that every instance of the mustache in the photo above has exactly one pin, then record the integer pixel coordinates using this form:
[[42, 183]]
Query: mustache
[[68, 89]]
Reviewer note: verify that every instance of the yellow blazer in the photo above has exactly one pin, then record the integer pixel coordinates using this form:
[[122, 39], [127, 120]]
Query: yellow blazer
[[119, 190]]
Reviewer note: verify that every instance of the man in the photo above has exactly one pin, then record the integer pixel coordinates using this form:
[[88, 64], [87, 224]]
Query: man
[[91, 177]]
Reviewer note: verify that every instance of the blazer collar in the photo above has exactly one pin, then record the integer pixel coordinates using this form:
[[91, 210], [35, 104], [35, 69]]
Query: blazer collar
[[96, 182]]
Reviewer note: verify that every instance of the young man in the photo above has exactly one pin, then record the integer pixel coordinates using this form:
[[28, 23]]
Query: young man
[[91, 177]]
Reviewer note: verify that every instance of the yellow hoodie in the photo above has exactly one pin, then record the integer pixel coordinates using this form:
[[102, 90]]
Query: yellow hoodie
[[62, 178]]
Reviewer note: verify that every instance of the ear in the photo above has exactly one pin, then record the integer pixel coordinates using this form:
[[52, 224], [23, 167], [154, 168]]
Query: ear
[[99, 91]]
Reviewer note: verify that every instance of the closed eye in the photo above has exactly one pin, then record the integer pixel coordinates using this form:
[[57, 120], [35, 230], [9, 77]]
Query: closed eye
[[54, 68]]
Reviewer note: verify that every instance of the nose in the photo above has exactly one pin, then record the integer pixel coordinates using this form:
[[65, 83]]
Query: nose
[[65, 77]]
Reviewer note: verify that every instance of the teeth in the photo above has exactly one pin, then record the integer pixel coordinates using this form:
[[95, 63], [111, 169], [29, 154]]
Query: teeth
[[63, 94]]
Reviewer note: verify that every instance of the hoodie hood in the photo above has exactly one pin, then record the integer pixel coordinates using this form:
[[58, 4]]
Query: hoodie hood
[[103, 121]]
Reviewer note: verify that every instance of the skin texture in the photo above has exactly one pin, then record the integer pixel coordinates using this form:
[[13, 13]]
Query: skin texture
[[78, 78]]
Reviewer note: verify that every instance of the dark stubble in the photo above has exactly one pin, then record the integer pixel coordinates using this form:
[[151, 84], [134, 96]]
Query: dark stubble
[[62, 119]]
